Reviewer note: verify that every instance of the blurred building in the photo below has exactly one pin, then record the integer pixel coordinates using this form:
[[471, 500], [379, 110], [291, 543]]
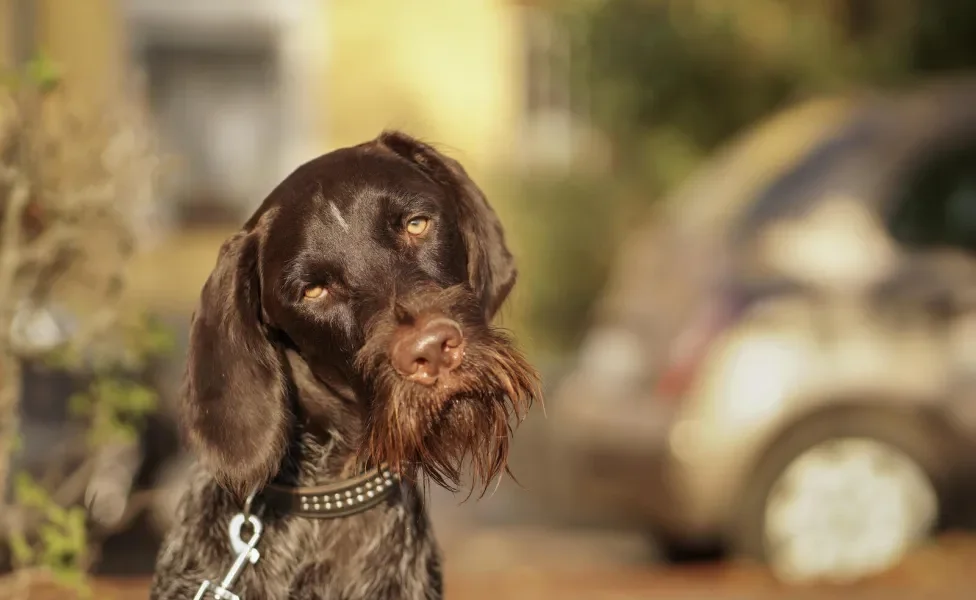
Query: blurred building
[[245, 90], [86, 38]]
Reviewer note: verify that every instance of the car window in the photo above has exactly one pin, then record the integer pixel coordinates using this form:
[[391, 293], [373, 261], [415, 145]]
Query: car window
[[937, 204], [803, 184]]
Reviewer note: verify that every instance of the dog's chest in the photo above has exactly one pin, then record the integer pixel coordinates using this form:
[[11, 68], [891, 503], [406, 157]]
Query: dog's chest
[[371, 555]]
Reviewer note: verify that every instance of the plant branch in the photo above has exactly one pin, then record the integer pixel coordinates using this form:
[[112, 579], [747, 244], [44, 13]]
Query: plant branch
[[47, 246], [68, 493], [10, 246], [73, 183]]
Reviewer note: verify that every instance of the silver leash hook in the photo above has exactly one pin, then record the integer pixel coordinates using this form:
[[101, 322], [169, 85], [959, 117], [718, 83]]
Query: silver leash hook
[[245, 551], [249, 502], [237, 542]]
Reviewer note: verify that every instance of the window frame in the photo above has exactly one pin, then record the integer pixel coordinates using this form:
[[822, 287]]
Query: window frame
[[908, 177]]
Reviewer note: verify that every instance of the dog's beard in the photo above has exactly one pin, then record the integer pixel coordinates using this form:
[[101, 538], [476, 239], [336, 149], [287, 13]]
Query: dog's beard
[[433, 431]]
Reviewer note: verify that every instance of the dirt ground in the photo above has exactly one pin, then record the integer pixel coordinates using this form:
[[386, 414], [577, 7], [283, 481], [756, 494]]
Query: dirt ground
[[561, 569]]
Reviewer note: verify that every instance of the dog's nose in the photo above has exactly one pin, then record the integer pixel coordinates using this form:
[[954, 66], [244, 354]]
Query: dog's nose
[[428, 350]]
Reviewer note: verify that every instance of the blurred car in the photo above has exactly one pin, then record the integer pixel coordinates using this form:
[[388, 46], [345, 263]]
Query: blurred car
[[784, 361]]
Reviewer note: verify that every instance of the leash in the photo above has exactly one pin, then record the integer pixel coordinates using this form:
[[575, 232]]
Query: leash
[[331, 501], [247, 552]]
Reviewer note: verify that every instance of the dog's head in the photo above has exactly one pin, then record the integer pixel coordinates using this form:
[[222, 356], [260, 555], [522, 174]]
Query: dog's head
[[381, 266]]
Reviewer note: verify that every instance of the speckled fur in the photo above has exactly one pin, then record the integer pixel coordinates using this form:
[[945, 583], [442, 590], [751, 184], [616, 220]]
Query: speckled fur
[[281, 388], [386, 552]]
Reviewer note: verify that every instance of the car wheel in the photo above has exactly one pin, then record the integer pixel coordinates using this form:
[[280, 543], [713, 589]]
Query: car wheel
[[843, 505]]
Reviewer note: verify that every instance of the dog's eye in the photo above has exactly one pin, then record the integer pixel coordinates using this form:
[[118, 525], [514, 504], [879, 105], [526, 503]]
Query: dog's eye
[[417, 226], [314, 292]]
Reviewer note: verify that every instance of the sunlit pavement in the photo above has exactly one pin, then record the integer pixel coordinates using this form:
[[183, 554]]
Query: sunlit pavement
[[524, 560], [588, 571], [519, 563], [500, 548]]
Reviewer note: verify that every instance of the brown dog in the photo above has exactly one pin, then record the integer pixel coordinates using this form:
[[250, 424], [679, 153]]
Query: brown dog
[[342, 351]]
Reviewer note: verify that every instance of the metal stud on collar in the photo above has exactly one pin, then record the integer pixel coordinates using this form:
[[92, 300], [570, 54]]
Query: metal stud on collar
[[350, 498]]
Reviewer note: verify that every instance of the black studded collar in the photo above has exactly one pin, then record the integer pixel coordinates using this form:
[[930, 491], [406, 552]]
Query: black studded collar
[[334, 500]]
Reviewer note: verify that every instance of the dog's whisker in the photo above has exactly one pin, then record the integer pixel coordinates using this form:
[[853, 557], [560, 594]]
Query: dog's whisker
[[498, 484]]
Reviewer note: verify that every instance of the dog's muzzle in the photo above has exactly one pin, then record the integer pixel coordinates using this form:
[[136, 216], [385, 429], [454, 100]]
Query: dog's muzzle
[[428, 349]]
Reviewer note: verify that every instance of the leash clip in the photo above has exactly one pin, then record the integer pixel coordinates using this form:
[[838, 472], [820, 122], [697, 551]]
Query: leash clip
[[246, 551]]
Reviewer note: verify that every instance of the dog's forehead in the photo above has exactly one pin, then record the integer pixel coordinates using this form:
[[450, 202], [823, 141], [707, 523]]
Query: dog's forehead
[[343, 195], [347, 183]]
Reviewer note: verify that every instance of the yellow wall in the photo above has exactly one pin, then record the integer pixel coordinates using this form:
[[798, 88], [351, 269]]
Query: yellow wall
[[85, 38], [6, 32], [444, 70]]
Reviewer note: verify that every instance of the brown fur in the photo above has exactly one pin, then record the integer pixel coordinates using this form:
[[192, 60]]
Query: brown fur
[[302, 392], [434, 430]]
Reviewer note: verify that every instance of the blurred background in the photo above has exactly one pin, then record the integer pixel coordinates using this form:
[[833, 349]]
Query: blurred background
[[747, 242]]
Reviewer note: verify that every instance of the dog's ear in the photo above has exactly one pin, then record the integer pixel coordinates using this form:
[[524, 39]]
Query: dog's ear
[[234, 409], [491, 267]]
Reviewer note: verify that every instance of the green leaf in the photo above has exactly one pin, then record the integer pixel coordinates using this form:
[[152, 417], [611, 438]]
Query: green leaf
[[64, 357], [117, 409], [29, 494], [44, 73], [56, 515], [159, 339], [80, 404], [74, 579], [22, 553], [62, 538]]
